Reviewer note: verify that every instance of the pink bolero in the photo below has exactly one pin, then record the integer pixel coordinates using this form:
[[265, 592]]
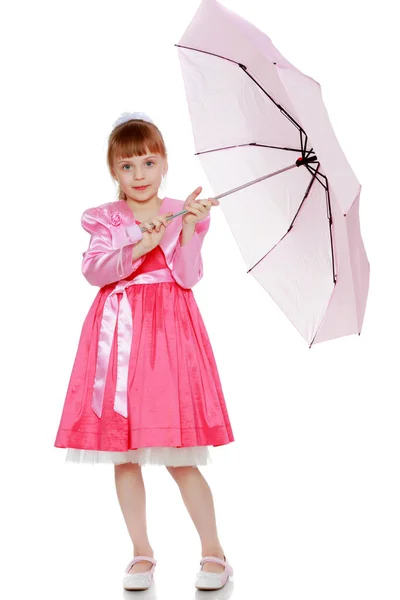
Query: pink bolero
[[114, 233]]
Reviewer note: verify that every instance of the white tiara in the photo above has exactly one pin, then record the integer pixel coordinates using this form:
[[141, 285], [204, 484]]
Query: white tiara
[[130, 117]]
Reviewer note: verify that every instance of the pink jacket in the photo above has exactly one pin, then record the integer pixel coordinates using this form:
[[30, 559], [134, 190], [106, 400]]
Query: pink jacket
[[114, 233]]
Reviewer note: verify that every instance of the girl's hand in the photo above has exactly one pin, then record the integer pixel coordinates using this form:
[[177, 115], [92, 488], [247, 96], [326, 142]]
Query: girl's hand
[[198, 209], [153, 236]]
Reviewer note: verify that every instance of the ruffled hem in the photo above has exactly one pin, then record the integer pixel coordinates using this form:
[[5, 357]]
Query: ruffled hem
[[169, 457]]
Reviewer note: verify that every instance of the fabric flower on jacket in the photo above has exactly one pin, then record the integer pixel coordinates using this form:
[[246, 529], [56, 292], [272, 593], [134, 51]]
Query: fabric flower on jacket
[[116, 218]]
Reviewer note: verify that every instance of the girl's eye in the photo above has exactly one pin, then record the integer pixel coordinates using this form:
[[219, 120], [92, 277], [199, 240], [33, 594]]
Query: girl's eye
[[151, 162]]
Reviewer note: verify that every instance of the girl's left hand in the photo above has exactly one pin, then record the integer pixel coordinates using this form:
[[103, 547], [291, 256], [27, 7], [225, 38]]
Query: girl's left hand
[[198, 209]]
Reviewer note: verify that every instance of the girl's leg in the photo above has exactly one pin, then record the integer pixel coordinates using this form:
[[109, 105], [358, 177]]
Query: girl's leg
[[132, 499], [199, 502]]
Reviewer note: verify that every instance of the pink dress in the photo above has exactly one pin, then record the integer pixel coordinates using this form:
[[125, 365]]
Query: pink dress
[[175, 404]]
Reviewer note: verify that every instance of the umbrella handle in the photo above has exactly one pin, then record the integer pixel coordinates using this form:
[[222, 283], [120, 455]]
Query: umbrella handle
[[182, 212], [168, 218]]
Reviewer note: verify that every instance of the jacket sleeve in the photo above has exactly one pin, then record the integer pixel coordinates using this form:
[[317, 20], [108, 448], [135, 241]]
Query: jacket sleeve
[[103, 264], [187, 263]]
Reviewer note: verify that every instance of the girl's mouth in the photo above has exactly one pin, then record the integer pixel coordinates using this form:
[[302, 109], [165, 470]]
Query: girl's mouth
[[142, 187]]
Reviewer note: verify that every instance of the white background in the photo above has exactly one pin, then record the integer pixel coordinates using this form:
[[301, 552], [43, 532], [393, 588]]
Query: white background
[[307, 497]]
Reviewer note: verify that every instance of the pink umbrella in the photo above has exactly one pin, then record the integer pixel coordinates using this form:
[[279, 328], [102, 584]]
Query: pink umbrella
[[262, 132]]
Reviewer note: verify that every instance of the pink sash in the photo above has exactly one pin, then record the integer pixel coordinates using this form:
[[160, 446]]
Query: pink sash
[[111, 314]]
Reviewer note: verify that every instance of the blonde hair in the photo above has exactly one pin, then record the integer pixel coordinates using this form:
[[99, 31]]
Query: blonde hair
[[133, 138]]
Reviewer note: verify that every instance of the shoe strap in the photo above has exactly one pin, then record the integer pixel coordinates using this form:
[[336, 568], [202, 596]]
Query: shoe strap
[[213, 559], [138, 558], [219, 561]]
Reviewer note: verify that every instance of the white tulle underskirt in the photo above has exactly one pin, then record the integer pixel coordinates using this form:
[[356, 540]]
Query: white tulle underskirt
[[169, 457]]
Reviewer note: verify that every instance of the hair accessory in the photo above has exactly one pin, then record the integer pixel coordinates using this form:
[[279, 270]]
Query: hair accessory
[[130, 117]]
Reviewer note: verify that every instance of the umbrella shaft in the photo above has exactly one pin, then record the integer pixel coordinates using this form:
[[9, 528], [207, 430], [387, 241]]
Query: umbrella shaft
[[241, 187]]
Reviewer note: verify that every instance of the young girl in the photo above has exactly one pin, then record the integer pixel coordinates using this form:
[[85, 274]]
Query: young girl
[[144, 387]]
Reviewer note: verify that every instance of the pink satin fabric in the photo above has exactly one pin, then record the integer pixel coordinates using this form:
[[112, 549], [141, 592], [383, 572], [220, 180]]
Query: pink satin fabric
[[122, 315]]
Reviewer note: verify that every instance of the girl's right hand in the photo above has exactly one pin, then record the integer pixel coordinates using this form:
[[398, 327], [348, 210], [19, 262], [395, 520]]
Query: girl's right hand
[[152, 236]]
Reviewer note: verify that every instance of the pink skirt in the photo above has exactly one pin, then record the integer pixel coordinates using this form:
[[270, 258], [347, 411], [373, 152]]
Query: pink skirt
[[176, 407]]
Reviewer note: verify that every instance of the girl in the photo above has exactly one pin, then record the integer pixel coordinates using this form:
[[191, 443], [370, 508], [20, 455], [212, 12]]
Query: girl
[[144, 387]]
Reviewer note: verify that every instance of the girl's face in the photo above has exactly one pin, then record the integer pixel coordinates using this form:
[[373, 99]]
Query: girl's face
[[139, 171]]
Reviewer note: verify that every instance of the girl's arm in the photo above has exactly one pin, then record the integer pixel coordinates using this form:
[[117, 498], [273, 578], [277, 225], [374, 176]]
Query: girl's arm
[[103, 264], [187, 263]]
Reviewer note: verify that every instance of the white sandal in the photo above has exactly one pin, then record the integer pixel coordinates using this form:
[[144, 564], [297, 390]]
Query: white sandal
[[139, 581]]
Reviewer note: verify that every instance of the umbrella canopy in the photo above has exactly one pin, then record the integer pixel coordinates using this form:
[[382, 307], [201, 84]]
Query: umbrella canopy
[[291, 199]]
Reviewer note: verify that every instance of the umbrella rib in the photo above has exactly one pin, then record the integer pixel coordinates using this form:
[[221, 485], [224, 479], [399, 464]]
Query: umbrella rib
[[312, 170], [205, 52], [303, 147], [291, 225], [328, 213], [302, 202], [274, 147], [329, 209], [244, 68], [283, 110], [305, 153], [249, 144]]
